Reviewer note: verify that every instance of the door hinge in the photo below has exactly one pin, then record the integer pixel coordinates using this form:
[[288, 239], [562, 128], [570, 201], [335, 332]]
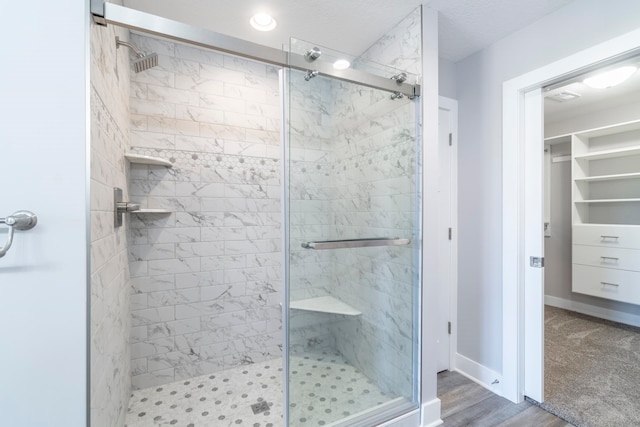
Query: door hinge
[[449, 327], [450, 139], [450, 233], [536, 261]]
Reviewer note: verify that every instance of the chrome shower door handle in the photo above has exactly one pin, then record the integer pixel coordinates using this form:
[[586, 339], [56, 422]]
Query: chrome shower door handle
[[21, 220]]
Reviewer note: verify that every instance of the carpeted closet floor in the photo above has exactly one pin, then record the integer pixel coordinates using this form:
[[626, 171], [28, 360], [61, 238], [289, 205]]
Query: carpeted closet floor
[[592, 370]]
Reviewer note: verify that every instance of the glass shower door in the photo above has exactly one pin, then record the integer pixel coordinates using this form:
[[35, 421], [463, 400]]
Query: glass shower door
[[353, 253]]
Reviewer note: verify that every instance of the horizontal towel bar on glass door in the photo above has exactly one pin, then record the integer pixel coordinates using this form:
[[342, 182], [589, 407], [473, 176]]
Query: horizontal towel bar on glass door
[[357, 243]]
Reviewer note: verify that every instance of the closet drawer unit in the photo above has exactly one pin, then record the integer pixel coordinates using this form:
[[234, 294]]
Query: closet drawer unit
[[614, 236], [598, 256], [618, 285]]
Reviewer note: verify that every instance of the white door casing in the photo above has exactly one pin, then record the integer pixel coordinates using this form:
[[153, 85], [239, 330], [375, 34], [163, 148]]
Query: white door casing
[[519, 139]]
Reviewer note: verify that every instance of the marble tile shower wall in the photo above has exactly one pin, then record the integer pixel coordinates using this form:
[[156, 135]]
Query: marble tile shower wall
[[374, 195], [110, 319], [310, 196], [206, 278], [377, 152]]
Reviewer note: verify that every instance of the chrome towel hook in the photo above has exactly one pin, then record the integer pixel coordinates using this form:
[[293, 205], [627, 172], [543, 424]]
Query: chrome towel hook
[[21, 220]]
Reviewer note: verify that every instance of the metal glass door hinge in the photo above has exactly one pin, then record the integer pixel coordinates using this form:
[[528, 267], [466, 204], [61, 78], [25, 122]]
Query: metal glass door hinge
[[536, 261]]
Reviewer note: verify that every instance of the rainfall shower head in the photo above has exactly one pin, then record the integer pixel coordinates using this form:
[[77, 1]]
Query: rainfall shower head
[[142, 61]]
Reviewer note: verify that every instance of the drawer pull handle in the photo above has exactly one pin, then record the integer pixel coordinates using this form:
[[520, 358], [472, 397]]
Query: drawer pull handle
[[609, 284], [609, 237], [606, 258]]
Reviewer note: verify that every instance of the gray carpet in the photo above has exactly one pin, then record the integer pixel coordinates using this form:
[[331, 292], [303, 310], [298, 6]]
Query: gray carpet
[[592, 370]]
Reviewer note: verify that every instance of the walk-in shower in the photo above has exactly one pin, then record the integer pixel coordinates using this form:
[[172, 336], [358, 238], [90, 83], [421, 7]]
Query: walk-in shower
[[273, 271]]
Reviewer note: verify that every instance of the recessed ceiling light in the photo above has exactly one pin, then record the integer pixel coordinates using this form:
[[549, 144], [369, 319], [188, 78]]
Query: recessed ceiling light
[[263, 22], [610, 78], [341, 64]]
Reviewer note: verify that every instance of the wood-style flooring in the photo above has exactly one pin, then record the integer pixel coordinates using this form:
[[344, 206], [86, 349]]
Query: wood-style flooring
[[465, 403]]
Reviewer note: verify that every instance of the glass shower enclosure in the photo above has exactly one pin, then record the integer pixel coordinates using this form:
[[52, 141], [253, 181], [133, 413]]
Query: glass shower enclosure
[[352, 220]]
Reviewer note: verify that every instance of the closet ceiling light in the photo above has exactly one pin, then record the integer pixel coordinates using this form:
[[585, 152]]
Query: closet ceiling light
[[610, 78], [341, 64], [563, 96], [263, 22]]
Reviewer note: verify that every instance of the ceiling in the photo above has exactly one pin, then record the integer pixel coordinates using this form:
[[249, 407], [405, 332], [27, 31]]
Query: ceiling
[[590, 100], [351, 26]]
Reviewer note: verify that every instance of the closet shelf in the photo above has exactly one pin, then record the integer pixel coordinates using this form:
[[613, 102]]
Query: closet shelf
[[607, 201], [609, 154], [634, 175], [151, 211], [147, 160], [326, 304]]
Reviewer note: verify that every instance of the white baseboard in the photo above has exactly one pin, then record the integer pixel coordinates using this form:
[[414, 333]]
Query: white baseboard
[[487, 378], [431, 413], [592, 310]]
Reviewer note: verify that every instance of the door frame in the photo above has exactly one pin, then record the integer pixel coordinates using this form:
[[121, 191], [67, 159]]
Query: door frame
[[517, 375], [451, 105]]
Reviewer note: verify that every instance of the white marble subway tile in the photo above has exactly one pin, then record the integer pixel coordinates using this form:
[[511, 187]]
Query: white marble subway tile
[[249, 246], [199, 144], [152, 44], [155, 76], [245, 93], [138, 90], [151, 379], [212, 234], [222, 74], [174, 235], [138, 333], [174, 266], [223, 262], [173, 297], [143, 222], [152, 140], [214, 101], [175, 203], [143, 187], [198, 309], [183, 172], [246, 191], [234, 233], [149, 252], [245, 65], [173, 126], [169, 360], [222, 205], [245, 330], [152, 315], [264, 232], [201, 189], [196, 54], [179, 66], [174, 328], [152, 283], [264, 205], [245, 121], [172, 95], [139, 301], [210, 130], [262, 287], [270, 83], [202, 84], [206, 278], [138, 269], [237, 148], [197, 114], [264, 259], [218, 292], [248, 302], [200, 249], [222, 320], [268, 137], [139, 366], [199, 219], [152, 108]]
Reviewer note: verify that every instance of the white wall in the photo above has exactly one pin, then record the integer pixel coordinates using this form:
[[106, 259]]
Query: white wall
[[479, 91], [447, 78], [43, 279]]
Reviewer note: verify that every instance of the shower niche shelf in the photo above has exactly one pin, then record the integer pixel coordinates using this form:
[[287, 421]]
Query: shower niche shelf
[[147, 160], [326, 304]]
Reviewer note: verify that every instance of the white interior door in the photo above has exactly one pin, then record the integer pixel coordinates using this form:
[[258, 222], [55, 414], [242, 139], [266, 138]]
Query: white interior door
[[447, 121], [534, 246]]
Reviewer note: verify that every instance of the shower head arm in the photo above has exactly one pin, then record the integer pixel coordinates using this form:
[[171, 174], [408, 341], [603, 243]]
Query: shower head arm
[[130, 46]]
